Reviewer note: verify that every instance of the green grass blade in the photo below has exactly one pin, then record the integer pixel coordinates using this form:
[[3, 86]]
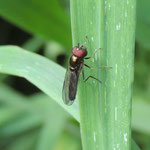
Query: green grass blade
[[24, 142], [140, 117], [42, 18], [24, 114], [68, 141], [33, 44], [2, 77], [25, 122], [142, 25], [12, 98], [85, 17], [134, 146], [40, 71], [51, 130], [45, 74], [54, 120], [105, 114], [8, 115], [119, 41]]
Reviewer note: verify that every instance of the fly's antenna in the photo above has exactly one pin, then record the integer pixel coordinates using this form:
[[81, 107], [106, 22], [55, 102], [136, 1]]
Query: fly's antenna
[[86, 40]]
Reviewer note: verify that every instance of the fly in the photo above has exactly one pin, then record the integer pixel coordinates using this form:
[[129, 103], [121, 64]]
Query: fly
[[76, 63]]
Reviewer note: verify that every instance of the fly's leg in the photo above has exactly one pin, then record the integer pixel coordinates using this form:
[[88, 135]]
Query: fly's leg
[[93, 78], [89, 77], [96, 68], [82, 74], [93, 54]]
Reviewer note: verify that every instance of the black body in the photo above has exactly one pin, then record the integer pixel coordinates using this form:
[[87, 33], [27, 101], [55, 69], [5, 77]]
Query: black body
[[71, 79]]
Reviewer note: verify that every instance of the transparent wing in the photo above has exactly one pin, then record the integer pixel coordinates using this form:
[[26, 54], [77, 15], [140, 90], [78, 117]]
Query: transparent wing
[[70, 85]]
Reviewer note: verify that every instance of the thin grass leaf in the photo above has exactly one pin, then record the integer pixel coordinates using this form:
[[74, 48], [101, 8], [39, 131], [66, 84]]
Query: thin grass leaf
[[140, 117], [33, 44], [24, 142], [134, 146], [142, 26], [119, 41], [51, 131], [85, 17], [2, 77], [24, 123], [40, 71], [54, 120], [42, 18], [27, 113], [68, 141], [105, 110], [8, 114]]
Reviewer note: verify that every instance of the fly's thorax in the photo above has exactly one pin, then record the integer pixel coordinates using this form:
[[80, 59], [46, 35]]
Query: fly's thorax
[[75, 62]]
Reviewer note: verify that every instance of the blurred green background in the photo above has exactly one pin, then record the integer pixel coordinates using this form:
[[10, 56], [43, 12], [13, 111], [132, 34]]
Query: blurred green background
[[29, 119]]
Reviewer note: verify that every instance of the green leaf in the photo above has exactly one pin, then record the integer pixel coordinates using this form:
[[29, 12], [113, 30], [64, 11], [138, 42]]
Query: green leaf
[[142, 34], [143, 23], [134, 146], [33, 44], [23, 116], [68, 141], [45, 74], [25, 122], [54, 120], [105, 110], [2, 77], [140, 117], [41, 18], [116, 94], [40, 71], [24, 142], [40, 112], [8, 115]]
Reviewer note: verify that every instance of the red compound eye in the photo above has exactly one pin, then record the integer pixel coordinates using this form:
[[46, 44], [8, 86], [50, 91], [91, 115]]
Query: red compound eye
[[79, 52]]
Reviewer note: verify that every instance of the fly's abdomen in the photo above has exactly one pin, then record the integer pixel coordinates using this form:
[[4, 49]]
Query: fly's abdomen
[[69, 87], [70, 84]]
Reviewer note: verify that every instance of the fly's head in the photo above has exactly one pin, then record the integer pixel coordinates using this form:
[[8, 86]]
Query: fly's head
[[79, 51]]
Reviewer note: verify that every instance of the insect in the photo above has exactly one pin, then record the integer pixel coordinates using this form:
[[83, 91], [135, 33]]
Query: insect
[[75, 67]]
